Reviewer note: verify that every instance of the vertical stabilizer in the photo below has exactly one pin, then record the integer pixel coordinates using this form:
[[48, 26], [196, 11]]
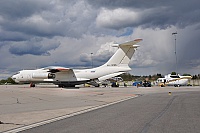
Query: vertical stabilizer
[[124, 54]]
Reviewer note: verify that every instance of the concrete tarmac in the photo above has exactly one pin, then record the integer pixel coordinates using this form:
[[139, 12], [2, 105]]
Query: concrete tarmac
[[152, 113], [21, 106]]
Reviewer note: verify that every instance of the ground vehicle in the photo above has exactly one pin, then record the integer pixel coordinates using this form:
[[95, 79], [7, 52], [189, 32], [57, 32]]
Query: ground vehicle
[[146, 84], [137, 83], [115, 84]]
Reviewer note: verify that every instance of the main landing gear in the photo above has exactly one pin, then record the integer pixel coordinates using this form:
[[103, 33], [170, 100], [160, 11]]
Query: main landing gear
[[65, 86], [32, 84]]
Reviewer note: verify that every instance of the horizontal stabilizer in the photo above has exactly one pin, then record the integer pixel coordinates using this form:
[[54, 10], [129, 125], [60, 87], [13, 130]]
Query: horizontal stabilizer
[[131, 43]]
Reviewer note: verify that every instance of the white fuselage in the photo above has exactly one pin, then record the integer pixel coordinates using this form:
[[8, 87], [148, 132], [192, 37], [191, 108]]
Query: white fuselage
[[42, 75]]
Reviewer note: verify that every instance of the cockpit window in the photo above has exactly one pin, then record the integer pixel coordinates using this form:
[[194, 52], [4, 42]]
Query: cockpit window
[[17, 73], [174, 76]]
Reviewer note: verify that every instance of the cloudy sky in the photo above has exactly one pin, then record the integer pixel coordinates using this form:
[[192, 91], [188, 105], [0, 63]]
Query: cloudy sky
[[39, 33]]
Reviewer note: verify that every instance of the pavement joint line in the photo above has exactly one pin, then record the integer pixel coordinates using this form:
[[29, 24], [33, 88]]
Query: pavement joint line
[[66, 116]]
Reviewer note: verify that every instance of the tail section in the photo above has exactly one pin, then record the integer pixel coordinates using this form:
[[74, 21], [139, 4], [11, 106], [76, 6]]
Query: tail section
[[124, 54]]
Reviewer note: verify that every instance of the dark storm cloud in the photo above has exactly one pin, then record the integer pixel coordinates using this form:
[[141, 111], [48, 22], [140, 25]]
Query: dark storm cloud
[[103, 57], [150, 14], [188, 48], [17, 9], [13, 36], [126, 3], [45, 18], [35, 47], [98, 59], [85, 58], [26, 17], [145, 4], [16, 19], [40, 29]]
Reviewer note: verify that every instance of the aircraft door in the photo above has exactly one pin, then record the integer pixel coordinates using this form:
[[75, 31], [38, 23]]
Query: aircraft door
[[164, 81], [29, 77]]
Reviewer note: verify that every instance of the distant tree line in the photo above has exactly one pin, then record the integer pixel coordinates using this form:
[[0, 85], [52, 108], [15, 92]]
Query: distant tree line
[[7, 81], [196, 76], [129, 77]]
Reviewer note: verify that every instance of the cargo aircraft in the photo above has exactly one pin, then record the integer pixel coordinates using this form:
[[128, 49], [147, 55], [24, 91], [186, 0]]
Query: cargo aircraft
[[68, 77]]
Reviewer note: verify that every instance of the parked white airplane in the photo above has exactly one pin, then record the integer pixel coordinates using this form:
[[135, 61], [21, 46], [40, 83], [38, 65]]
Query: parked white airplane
[[67, 77], [173, 80]]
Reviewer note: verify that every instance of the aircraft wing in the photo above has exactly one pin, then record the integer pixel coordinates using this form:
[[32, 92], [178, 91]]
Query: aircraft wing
[[55, 69], [109, 76], [69, 73]]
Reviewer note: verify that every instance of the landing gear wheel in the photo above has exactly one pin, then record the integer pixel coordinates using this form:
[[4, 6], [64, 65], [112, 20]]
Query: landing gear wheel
[[32, 84], [65, 86]]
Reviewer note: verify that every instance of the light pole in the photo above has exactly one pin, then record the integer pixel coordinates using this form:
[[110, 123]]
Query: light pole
[[175, 33], [91, 60]]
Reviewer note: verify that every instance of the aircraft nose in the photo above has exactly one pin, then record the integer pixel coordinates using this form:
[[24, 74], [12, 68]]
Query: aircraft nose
[[14, 77]]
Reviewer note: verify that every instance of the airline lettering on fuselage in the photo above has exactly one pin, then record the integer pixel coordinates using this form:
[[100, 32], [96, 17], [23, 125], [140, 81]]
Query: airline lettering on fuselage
[[112, 65]]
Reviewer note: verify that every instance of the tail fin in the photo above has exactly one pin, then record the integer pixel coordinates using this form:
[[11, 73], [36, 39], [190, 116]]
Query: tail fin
[[124, 54]]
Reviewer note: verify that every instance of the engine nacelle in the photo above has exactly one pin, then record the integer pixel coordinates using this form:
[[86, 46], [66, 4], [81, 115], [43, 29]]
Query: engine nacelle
[[43, 76]]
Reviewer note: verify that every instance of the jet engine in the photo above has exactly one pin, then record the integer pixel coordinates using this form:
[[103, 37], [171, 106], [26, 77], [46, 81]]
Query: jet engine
[[43, 75]]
